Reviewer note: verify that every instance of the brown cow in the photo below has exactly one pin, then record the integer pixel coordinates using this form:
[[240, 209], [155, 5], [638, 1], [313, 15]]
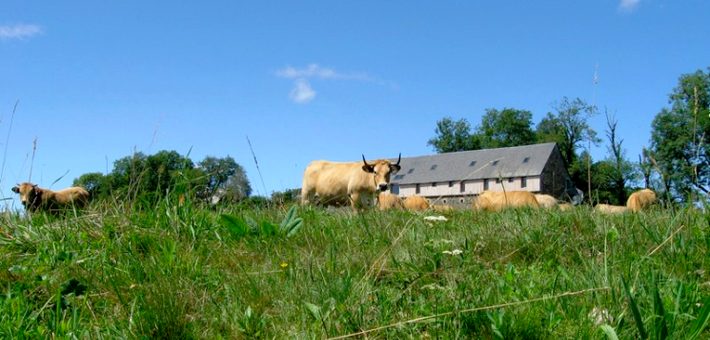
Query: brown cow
[[388, 201], [546, 201], [499, 200], [641, 199], [416, 203], [339, 183], [35, 198], [610, 209]]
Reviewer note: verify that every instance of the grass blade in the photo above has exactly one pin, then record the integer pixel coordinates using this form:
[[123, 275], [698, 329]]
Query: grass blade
[[634, 310], [609, 332], [702, 321]]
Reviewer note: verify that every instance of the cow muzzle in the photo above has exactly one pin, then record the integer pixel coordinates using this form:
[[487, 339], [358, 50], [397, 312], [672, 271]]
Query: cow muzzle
[[382, 187]]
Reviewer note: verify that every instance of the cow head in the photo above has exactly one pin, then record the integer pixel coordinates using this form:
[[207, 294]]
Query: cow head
[[30, 194], [381, 169]]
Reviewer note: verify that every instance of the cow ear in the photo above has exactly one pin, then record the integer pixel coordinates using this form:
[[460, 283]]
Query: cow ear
[[16, 190], [368, 168], [395, 168]]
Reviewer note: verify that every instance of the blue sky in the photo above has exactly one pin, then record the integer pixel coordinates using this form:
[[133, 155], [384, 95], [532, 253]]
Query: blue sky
[[308, 80]]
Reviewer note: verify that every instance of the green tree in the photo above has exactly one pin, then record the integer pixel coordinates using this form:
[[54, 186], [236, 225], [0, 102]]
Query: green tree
[[225, 177], [680, 136], [95, 183], [505, 128], [618, 170], [452, 136], [163, 170], [568, 127], [125, 178]]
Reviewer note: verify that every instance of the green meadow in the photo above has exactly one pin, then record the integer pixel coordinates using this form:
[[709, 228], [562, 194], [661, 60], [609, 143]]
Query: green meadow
[[129, 271]]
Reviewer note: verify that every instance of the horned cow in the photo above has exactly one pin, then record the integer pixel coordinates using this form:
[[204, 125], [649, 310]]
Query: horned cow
[[35, 198], [342, 183], [499, 200], [641, 199]]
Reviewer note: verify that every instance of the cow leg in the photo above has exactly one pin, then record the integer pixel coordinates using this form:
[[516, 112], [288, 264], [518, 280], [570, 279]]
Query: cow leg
[[355, 201], [306, 195]]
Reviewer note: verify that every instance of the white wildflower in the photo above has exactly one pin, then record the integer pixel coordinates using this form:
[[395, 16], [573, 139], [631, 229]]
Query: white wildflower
[[600, 316], [435, 218], [453, 252]]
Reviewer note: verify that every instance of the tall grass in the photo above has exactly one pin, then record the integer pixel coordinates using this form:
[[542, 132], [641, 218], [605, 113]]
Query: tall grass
[[187, 272]]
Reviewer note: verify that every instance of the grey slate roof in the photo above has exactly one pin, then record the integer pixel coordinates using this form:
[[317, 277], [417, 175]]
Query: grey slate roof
[[456, 166]]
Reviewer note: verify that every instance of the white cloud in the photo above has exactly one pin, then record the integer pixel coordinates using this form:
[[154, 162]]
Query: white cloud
[[628, 5], [19, 31], [315, 71], [302, 92]]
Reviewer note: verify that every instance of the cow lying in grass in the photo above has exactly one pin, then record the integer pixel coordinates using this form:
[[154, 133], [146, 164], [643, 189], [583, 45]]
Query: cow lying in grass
[[416, 203], [499, 200], [641, 199], [388, 201], [546, 201], [610, 209], [638, 201], [35, 198]]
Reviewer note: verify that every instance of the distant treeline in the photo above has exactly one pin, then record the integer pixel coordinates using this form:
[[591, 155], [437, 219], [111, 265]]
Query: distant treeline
[[149, 178]]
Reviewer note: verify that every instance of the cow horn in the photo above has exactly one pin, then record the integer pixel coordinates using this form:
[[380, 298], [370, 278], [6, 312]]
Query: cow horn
[[399, 158], [364, 161]]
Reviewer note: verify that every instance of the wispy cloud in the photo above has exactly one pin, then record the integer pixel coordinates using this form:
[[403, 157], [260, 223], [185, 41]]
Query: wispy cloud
[[628, 5], [302, 92], [315, 71], [19, 31]]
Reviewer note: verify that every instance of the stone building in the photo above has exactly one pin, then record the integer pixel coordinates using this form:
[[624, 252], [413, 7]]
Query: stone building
[[457, 177]]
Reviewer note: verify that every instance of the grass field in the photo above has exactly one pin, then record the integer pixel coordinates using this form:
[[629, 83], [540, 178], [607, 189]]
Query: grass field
[[119, 271]]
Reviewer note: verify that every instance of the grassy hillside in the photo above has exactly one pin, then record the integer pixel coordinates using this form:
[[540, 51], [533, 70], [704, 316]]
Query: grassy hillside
[[117, 271]]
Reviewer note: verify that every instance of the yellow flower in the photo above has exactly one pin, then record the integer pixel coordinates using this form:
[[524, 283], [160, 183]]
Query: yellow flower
[[284, 265]]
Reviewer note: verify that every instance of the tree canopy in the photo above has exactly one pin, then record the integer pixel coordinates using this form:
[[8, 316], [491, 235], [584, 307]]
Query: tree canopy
[[680, 136], [151, 177]]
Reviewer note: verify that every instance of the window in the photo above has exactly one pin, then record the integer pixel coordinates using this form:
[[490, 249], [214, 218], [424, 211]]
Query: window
[[398, 176], [498, 180], [511, 180], [433, 184], [523, 182], [410, 171], [485, 184], [451, 184], [418, 189], [527, 159], [495, 162], [433, 167], [463, 187], [394, 189], [472, 164]]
